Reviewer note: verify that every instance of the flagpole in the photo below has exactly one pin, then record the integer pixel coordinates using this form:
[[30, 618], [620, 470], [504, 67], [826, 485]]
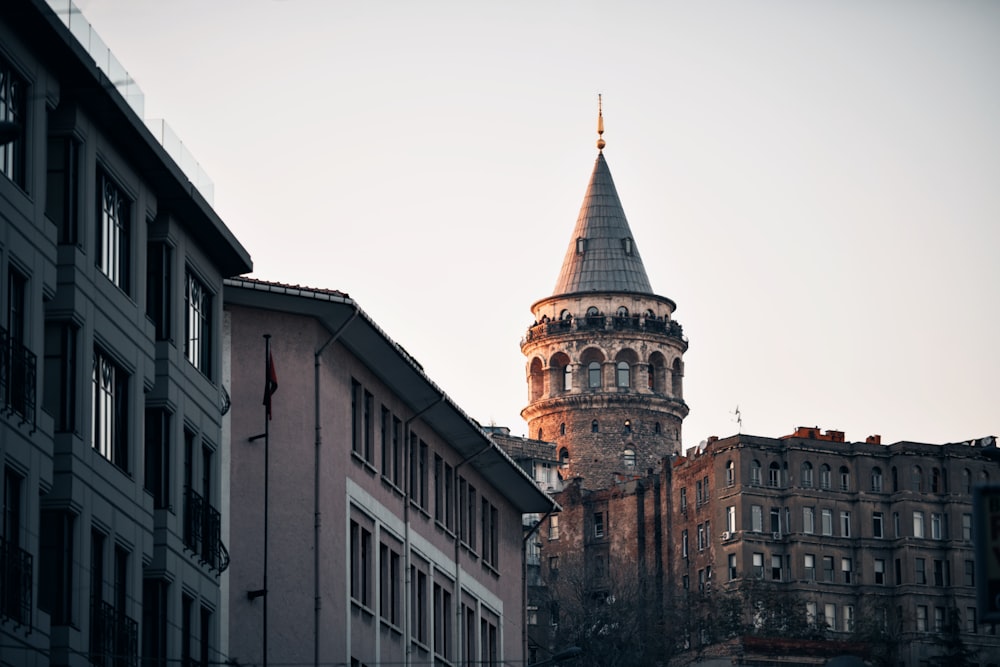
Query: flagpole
[[267, 434]]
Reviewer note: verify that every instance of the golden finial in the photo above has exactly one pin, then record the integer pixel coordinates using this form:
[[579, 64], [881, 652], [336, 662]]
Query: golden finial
[[600, 125]]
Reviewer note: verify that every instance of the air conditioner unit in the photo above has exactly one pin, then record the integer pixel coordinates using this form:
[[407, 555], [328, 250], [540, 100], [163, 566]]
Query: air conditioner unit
[[726, 535], [776, 535]]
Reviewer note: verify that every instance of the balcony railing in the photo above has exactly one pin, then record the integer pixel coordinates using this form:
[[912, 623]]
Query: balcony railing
[[203, 531], [604, 323], [114, 637], [17, 380], [15, 584]]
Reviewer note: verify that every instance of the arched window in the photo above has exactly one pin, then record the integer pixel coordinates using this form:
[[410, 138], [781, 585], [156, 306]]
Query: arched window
[[594, 375], [539, 434], [623, 375], [845, 479], [730, 473], [563, 458], [536, 380], [935, 480], [562, 428], [628, 458], [917, 479], [876, 480], [593, 312], [676, 379], [755, 473], [966, 480], [824, 476], [895, 479], [627, 427], [656, 428], [565, 315], [622, 311], [594, 428], [774, 474], [807, 475], [651, 377], [568, 377]]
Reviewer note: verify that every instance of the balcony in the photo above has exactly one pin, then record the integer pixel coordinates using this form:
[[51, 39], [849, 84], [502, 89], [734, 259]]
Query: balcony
[[604, 323], [17, 380], [203, 531], [15, 585], [114, 637]]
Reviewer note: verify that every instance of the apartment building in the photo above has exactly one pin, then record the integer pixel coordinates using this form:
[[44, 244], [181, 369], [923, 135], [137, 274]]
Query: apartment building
[[111, 405], [394, 522]]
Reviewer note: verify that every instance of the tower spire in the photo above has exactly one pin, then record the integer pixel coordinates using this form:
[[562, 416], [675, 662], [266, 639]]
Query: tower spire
[[600, 125]]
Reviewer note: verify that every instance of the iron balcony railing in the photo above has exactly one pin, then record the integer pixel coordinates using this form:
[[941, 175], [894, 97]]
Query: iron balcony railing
[[114, 637], [203, 531], [17, 379], [15, 584], [604, 323]]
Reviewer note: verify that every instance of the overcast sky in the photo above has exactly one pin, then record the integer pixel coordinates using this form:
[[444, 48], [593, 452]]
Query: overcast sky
[[816, 184]]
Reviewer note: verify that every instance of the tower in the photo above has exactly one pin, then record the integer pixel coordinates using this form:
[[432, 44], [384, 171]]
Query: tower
[[604, 356]]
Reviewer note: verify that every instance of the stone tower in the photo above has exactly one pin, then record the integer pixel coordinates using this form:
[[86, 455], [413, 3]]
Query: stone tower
[[604, 356]]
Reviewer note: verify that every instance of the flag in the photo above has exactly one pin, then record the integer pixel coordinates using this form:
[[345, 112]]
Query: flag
[[270, 383]]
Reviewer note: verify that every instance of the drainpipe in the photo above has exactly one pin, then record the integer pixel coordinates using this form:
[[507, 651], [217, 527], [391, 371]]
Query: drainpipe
[[407, 582], [317, 598], [459, 627], [524, 582]]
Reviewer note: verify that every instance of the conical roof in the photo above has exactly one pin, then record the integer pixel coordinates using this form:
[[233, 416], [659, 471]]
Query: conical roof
[[602, 255]]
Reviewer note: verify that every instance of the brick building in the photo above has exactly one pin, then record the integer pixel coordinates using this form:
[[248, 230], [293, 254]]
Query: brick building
[[745, 550]]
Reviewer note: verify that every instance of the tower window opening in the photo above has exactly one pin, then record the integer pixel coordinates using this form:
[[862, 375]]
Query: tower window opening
[[581, 245], [539, 434], [628, 458], [624, 375], [628, 246], [562, 428], [594, 428], [594, 375], [656, 428], [564, 458], [627, 428], [622, 311], [565, 315], [567, 377]]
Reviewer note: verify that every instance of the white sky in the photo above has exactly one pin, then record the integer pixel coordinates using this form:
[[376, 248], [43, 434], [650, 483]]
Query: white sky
[[816, 184]]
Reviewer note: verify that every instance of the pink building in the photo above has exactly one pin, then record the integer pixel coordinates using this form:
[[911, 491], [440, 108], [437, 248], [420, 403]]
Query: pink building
[[394, 522]]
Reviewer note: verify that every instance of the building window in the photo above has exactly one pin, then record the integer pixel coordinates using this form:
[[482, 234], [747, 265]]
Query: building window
[[159, 279], [390, 585], [154, 621], [567, 377], [554, 527], [732, 567], [938, 619], [877, 530], [808, 520], [807, 475], [809, 564], [845, 524], [623, 375], [970, 573], [581, 245], [197, 324], [971, 626], [824, 476], [731, 519], [109, 435], [936, 485], [442, 621], [113, 232], [701, 537], [828, 568], [594, 375], [774, 474], [563, 458], [826, 517], [684, 543], [594, 426], [811, 613], [55, 566], [361, 564], [967, 527], [921, 618], [418, 604], [490, 528], [847, 568], [13, 98], [730, 473], [917, 479], [758, 565], [628, 458], [755, 473], [62, 189], [967, 480], [157, 456], [775, 568], [876, 480], [598, 524], [937, 530], [879, 571], [848, 611], [845, 479], [918, 524], [683, 499], [920, 571], [60, 374], [562, 428], [757, 518], [942, 573], [627, 246], [830, 614]]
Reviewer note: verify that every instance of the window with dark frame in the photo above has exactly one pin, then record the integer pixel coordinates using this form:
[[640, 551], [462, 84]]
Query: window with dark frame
[[159, 280], [109, 433], [13, 109], [113, 235], [61, 186]]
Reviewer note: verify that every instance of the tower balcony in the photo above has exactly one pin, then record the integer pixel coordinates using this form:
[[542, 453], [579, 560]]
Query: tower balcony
[[604, 323]]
